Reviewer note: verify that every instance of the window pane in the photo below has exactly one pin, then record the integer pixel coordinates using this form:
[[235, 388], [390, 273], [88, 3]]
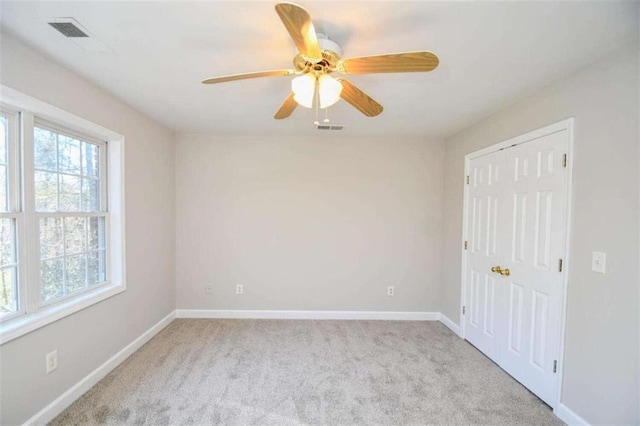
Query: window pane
[[75, 235], [51, 272], [51, 237], [44, 149], [8, 291], [4, 137], [69, 193], [69, 159], [90, 195], [4, 190], [46, 191], [96, 233], [76, 272], [96, 267], [90, 160], [7, 242]]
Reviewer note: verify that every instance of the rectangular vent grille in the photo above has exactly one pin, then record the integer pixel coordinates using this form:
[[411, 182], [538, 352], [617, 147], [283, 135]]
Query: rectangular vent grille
[[68, 29], [330, 127]]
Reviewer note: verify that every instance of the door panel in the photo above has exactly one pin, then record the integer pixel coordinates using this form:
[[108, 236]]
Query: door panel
[[489, 305], [515, 318], [539, 328]]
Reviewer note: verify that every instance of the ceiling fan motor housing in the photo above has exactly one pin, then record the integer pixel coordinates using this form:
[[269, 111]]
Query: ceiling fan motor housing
[[328, 44], [331, 54]]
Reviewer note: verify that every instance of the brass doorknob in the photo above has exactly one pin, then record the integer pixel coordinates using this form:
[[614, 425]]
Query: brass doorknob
[[506, 272]]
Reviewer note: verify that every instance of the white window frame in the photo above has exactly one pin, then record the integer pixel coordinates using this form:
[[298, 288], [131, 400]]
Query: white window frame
[[32, 313], [15, 196]]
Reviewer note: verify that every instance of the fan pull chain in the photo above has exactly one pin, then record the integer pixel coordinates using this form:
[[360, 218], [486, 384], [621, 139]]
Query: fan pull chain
[[326, 115]]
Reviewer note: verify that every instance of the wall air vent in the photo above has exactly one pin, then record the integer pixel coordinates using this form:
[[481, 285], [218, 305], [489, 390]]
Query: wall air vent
[[330, 126], [68, 29]]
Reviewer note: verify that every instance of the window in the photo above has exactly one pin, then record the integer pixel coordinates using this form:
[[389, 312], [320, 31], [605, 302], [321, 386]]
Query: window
[[70, 205], [61, 215]]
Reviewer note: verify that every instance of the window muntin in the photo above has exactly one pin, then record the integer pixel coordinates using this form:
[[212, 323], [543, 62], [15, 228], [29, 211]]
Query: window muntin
[[70, 198]]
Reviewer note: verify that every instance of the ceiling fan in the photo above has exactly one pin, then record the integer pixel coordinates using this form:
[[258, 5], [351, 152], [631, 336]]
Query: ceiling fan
[[318, 57]]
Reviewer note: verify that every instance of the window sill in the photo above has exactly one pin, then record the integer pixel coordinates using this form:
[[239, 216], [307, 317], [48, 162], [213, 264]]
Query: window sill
[[19, 326]]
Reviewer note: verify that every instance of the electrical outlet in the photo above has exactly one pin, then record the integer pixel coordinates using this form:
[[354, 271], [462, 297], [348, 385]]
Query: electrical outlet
[[239, 289], [208, 289], [52, 361], [391, 290]]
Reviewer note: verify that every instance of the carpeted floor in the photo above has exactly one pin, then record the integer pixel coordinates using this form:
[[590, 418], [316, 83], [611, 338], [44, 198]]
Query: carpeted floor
[[285, 372]]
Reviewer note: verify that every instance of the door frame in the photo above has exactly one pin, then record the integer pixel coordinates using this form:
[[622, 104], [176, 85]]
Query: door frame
[[568, 125]]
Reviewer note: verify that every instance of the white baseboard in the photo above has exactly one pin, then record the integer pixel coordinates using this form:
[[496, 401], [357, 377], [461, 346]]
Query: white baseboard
[[315, 315], [568, 416], [450, 324], [58, 405]]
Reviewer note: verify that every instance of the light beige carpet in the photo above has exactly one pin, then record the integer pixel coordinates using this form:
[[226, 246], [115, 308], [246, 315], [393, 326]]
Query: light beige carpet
[[284, 372]]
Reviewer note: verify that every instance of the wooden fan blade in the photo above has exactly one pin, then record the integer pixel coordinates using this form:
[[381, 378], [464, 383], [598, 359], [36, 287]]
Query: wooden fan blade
[[359, 99], [258, 74], [286, 108], [298, 23], [397, 62]]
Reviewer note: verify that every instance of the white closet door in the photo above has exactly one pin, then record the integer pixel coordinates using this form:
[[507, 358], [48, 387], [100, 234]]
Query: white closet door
[[532, 242], [485, 195], [516, 202]]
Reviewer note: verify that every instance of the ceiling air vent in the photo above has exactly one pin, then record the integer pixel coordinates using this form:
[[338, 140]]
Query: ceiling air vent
[[78, 35], [68, 29], [330, 126]]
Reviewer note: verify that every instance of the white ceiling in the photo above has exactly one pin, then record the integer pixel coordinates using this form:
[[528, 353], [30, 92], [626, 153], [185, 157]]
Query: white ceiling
[[491, 53]]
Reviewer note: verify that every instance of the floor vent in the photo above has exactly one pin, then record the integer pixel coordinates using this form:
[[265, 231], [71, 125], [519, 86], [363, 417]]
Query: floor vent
[[330, 127], [68, 28]]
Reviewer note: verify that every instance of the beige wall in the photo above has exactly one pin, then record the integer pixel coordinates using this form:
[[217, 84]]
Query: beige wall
[[325, 223], [88, 338], [601, 357]]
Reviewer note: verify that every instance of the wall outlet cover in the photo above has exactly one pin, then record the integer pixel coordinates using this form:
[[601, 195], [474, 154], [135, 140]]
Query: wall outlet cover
[[52, 361], [599, 262]]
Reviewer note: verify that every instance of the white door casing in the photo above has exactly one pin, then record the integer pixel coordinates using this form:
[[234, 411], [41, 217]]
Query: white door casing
[[518, 220]]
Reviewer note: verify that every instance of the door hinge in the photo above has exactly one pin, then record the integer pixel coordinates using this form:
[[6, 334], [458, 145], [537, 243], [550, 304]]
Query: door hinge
[[564, 160], [464, 310], [467, 179], [465, 245], [559, 265], [555, 366]]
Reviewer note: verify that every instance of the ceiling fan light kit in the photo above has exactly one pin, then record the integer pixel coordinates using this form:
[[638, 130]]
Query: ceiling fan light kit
[[329, 90], [305, 86], [318, 57]]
